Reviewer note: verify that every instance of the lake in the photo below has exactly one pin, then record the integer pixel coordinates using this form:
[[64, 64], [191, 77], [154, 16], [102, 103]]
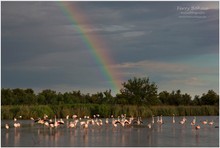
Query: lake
[[166, 135]]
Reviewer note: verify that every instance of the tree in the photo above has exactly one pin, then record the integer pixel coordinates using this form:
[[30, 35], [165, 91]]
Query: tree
[[19, 95], [7, 97], [196, 100], [211, 98], [49, 96], [164, 96], [30, 97], [108, 96], [185, 99], [139, 91]]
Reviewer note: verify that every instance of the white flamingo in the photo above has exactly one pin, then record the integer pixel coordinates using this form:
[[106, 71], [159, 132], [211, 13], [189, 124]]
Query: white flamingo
[[152, 119], [211, 122], [204, 122], [6, 126], [197, 127], [106, 121], [194, 121], [149, 125], [173, 118], [183, 120], [160, 121], [17, 125], [74, 116]]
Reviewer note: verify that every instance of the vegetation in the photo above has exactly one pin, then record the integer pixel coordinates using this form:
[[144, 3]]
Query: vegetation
[[138, 96], [105, 110]]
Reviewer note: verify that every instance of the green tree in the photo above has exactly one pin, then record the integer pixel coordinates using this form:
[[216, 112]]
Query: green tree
[[108, 98], [211, 98], [7, 97], [49, 96], [164, 97], [19, 95], [196, 100], [30, 97], [185, 99], [139, 91], [60, 98]]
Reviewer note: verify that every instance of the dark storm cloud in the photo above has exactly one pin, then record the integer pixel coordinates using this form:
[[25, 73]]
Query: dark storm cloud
[[41, 47]]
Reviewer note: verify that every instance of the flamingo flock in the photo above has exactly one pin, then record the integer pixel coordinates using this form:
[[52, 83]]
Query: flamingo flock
[[122, 120]]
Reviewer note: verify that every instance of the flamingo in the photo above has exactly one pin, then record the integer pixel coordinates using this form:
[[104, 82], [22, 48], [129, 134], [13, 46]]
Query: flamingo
[[60, 121], [211, 122], [45, 116], [122, 123], [6, 126], [86, 125], [204, 122], [153, 119], [74, 116], [149, 125], [17, 125], [71, 124], [194, 121], [106, 121], [160, 120], [115, 124], [173, 118], [100, 122], [46, 123], [93, 122], [183, 120], [56, 123], [51, 125], [127, 122], [197, 127], [139, 121]]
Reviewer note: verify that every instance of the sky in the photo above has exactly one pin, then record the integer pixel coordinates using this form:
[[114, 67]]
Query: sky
[[95, 46]]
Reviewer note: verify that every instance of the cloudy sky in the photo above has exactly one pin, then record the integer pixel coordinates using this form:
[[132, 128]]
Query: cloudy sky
[[175, 44]]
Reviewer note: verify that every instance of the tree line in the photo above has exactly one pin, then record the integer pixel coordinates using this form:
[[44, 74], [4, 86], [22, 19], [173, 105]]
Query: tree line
[[136, 91]]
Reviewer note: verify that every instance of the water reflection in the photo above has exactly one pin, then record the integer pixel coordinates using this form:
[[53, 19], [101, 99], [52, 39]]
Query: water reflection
[[85, 137], [173, 130], [17, 136], [167, 134], [197, 138], [6, 137]]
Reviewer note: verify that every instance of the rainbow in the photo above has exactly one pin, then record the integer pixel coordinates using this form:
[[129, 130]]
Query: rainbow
[[95, 44]]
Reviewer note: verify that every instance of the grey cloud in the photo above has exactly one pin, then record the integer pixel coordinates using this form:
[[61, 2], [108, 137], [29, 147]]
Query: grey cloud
[[39, 40]]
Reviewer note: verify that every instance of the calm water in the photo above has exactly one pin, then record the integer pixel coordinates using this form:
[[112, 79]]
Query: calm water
[[169, 134]]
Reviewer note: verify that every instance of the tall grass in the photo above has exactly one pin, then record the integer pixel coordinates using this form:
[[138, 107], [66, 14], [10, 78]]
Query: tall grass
[[104, 110]]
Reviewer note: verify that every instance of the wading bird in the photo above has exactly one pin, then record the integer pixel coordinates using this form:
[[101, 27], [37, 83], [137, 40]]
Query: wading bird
[[197, 127], [173, 118], [6, 126]]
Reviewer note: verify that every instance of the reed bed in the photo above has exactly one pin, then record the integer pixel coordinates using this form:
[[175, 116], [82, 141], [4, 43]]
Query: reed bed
[[104, 110]]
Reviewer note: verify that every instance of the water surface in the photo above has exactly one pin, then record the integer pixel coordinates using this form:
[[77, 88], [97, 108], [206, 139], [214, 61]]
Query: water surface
[[168, 134]]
